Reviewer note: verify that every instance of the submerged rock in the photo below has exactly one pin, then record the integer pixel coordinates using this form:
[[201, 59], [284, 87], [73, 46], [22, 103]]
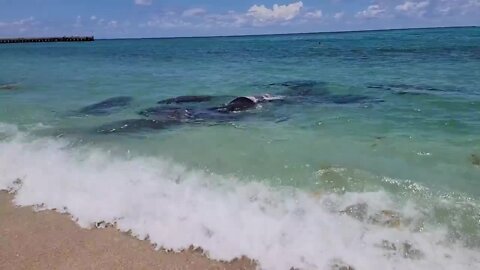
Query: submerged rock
[[386, 218], [338, 264], [356, 211], [404, 249], [107, 106], [387, 245], [475, 160], [409, 252]]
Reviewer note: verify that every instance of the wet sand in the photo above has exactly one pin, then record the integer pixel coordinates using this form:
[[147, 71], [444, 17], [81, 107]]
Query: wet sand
[[49, 240]]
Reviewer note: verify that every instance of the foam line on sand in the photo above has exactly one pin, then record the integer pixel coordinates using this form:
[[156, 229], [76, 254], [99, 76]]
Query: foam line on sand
[[49, 240]]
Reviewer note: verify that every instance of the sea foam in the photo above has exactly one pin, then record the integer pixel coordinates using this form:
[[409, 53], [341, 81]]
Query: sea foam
[[175, 208]]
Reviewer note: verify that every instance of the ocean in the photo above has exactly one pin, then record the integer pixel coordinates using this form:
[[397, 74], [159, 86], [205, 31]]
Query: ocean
[[369, 156]]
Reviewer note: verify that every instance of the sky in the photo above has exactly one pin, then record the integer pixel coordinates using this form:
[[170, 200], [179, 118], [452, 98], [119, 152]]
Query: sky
[[171, 18]]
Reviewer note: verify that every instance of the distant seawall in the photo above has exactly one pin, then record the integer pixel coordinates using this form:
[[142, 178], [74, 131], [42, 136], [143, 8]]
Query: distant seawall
[[46, 39]]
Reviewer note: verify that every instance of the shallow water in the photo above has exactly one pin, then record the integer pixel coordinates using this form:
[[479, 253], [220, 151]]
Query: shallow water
[[270, 183]]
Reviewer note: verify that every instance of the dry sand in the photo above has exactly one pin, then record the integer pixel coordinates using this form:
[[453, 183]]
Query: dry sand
[[49, 240]]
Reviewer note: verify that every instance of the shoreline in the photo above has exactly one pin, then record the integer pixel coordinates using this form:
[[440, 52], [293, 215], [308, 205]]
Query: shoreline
[[50, 240]]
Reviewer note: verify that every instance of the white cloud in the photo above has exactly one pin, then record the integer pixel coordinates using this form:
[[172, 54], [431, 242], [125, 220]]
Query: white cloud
[[231, 19], [167, 21], [373, 11], [338, 15], [22, 22], [19, 26], [458, 7], [277, 13], [143, 2], [194, 12], [317, 14], [93, 18], [413, 8]]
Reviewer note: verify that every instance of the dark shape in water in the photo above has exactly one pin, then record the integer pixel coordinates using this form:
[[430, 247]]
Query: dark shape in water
[[475, 160], [303, 88], [309, 91], [282, 119], [209, 116], [188, 115], [106, 106], [167, 113], [407, 89], [347, 99], [402, 93], [237, 105], [9, 86], [245, 103], [135, 125], [186, 99]]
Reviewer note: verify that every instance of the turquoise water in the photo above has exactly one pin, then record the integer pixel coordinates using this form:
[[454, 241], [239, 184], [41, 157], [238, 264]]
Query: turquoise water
[[410, 144]]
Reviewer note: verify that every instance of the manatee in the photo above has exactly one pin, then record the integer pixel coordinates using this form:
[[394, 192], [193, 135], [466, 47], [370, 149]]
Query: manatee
[[407, 89], [238, 104], [189, 115], [167, 113], [186, 99], [415, 87], [215, 116], [347, 99], [317, 92], [402, 93], [244, 103], [107, 106], [302, 88], [135, 125], [186, 115]]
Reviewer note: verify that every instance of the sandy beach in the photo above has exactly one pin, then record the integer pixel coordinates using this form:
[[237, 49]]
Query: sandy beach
[[49, 240]]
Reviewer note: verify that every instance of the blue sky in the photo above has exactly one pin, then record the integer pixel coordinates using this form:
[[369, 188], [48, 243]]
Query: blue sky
[[165, 18]]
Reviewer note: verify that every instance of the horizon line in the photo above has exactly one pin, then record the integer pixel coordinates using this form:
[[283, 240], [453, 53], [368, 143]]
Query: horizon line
[[265, 34], [296, 33]]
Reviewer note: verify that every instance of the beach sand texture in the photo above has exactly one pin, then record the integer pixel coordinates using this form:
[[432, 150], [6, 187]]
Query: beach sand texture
[[49, 240]]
